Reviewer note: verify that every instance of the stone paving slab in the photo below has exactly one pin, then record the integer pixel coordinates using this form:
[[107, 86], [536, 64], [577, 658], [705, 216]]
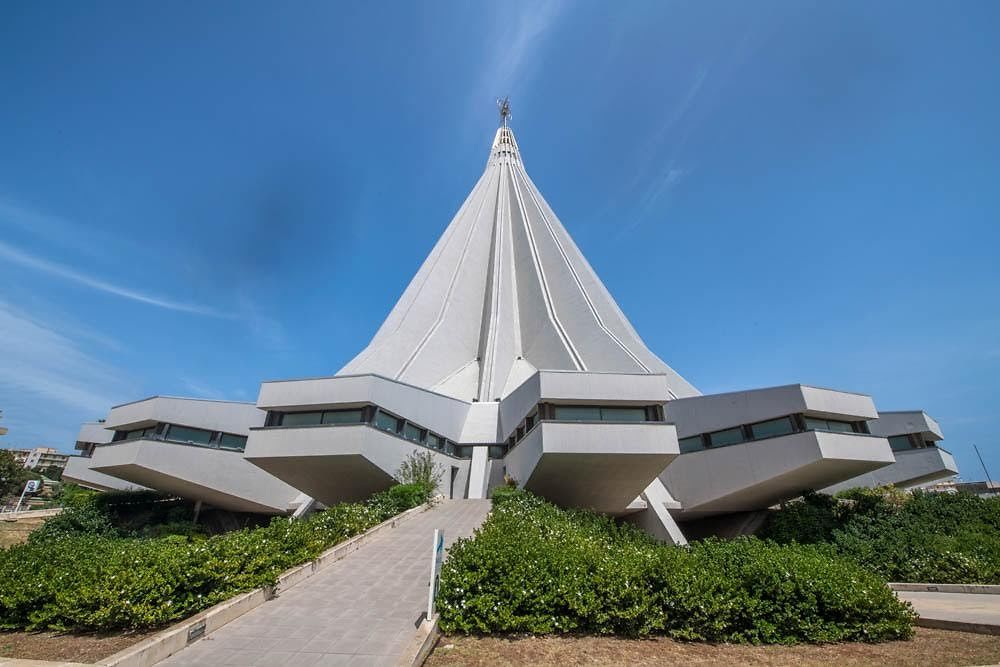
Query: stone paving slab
[[363, 610], [974, 612]]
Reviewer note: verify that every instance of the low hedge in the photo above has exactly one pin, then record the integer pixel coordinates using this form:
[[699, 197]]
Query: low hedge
[[82, 575], [534, 568], [915, 537]]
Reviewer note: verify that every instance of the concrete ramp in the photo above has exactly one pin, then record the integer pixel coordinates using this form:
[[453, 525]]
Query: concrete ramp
[[363, 609]]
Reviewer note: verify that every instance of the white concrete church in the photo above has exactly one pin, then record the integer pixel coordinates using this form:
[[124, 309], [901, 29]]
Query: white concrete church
[[507, 355]]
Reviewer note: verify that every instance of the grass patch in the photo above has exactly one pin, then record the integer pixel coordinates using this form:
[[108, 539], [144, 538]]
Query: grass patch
[[941, 648]]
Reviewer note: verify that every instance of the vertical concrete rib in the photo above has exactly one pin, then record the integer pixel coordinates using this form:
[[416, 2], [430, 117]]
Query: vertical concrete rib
[[446, 302], [401, 310], [499, 296], [576, 276], [491, 307], [544, 285]]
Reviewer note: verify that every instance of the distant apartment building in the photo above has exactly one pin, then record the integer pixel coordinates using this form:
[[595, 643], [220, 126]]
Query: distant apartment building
[[984, 489], [20, 455], [40, 457]]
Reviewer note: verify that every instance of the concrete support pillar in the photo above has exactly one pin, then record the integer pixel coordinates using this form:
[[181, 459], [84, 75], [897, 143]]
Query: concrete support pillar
[[656, 519], [478, 477]]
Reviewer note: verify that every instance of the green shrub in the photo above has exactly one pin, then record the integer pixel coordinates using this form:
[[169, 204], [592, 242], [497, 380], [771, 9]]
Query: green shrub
[[501, 493], [916, 537], [84, 519], [72, 495], [78, 573], [399, 498], [419, 468], [535, 568]]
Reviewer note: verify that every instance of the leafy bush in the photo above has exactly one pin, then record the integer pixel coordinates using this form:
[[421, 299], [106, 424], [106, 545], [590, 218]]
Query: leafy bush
[[501, 493], [419, 468], [399, 498], [918, 537], [535, 568], [87, 519], [71, 495], [69, 578]]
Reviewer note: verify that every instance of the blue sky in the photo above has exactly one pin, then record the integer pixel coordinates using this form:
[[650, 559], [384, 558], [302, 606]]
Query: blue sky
[[198, 196]]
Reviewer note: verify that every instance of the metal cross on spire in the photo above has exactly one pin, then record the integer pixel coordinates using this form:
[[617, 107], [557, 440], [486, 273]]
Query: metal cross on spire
[[504, 107]]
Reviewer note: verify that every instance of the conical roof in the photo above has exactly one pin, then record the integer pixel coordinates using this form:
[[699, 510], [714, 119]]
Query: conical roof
[[505, 292]]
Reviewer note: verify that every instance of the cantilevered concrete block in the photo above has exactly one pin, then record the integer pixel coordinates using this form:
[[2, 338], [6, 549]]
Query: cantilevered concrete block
[[744, 451], [914, 437], [756, 475], [334, 463], [216, 477], [599, 466], [78, 469], [191, 448]]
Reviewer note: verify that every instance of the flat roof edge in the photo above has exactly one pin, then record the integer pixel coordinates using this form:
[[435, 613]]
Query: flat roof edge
[[180, 398], [780, 386]]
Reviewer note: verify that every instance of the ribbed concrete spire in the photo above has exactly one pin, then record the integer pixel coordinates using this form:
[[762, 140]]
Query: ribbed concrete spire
[[505, 292]]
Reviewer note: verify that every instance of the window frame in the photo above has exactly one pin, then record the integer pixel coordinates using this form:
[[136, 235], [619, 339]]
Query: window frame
[[738, 429]]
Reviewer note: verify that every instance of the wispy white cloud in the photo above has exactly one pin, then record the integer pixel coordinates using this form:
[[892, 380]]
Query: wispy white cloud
[[199, 389], [17, 256], [521, 31], [667, 142], [59, 230], [267, 330], [664, 137], [48, 380], [520, 37], [665, 146]]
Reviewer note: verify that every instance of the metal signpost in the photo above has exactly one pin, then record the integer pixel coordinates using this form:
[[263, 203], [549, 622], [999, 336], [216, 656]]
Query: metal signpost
[[32, 486], [437, 558]]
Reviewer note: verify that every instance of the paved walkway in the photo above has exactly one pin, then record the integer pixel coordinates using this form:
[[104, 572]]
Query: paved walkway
[[945, 609], [362, 610]]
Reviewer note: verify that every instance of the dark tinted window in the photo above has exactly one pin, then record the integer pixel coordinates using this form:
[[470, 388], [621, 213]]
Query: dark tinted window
[[692, 444], [900, 443], [578, 413], [731, 436], [301, 418], [772, 428], [414, 433], [386, 422], [342, 417], [192, 435], [230, 441], [816, 424]]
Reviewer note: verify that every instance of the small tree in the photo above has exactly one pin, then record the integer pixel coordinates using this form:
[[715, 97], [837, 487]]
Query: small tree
[[12, 474], [420, 468], [52, 472]]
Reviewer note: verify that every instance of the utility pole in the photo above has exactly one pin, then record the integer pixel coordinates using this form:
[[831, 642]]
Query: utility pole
[[989, 480]]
